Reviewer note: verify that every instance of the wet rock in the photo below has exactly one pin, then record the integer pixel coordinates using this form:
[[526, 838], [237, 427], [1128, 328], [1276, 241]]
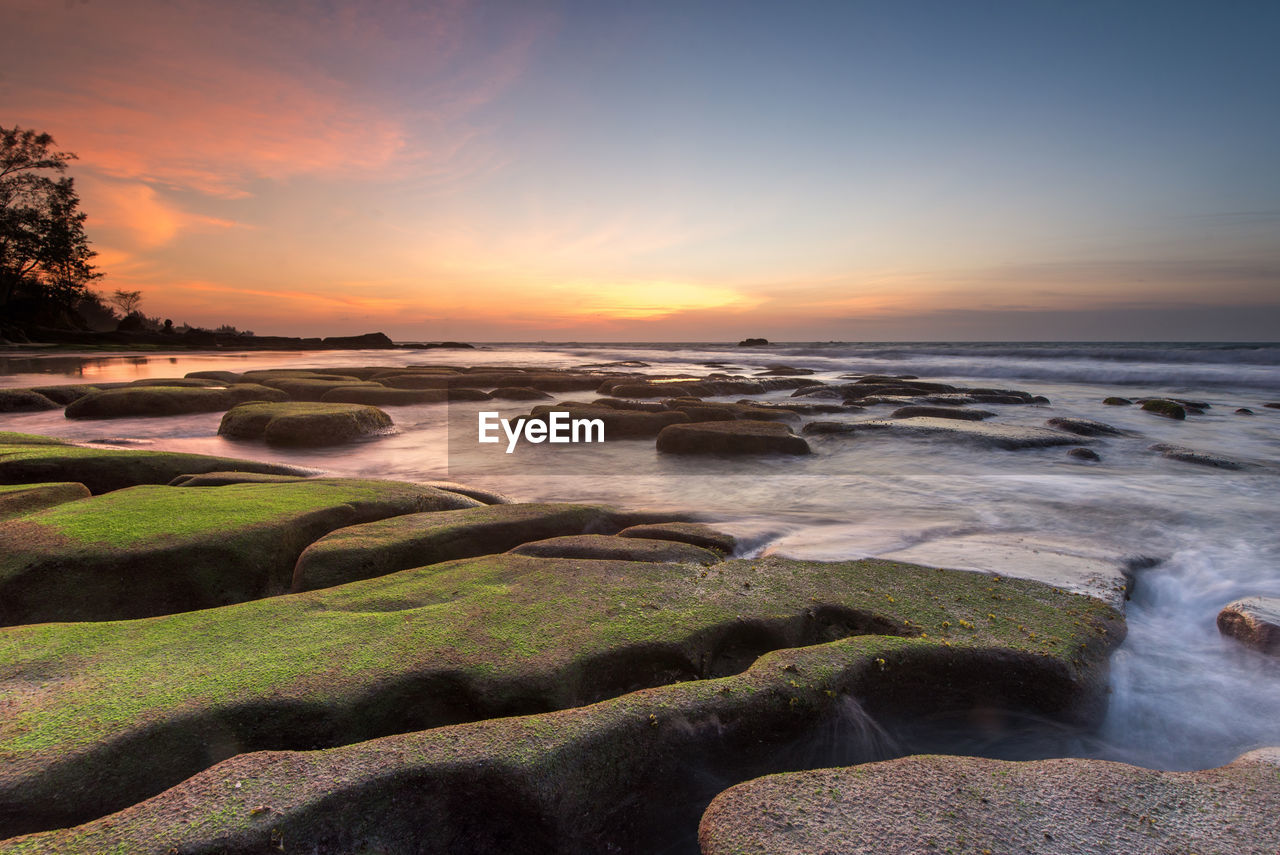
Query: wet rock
[[487, 497], [519, 393], [1084, 454], [803, 409], [941, 413], [64, 394], [222, 479], [822, 428], [28, 459], [1093, 570], [1254, 622], [831, 393], [606, 547], [381, 396], [19, 499], [686, 532], [304, 424], [714, 411], [1009, 437], [618, 424], [154, 401], [971, 804], [1168, 409], [1085, 427], [783, 371], [1244, 411], [736, 437], [154, 550], [638, 406], [415, 540], [753, 342], [587, 668], [181, 382], [227, 377], [24, 401], [1274, 405], [314, 389], [1200, 458]]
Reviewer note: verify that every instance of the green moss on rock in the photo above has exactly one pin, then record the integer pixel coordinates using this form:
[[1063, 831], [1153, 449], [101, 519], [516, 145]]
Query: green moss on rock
[[18, 499], [304, 424], [154, 400]]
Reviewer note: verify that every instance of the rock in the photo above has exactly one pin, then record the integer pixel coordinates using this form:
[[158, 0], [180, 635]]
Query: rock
[[415, 540], [19, 499], [1274, 405], [685, 532], [381, 396], [1085, 427], [971, 804], [591, 671], [180, 382], [1092, 570], [518, 393], [24, 401], [64, 394], [753, 342], [829, 428], [167, 401], [1168, 409], [373, 340], [736, 437], [1244, 411], [605, 547], [1200, 458], [1254, 622], [714, 411], [314, 389], [154, 550], [1009, 437], [618, 424], [222, 479], [105, 469], [486, 497], [941, 413], [1084, 454], [654, 390], [416, 381], [1115, 401], [304, 424], [222, 376], [783, 371]]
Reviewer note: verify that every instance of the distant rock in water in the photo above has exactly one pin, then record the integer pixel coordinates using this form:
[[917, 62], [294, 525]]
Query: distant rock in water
[[1084, 427], [744, 436], [1166, 408], [1115, 401], [1244, 411], [1200, 458], [1084, 454], [303, 424], [753, 342]]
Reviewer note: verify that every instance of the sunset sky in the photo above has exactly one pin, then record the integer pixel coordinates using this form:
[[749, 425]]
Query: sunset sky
[[603, 170]]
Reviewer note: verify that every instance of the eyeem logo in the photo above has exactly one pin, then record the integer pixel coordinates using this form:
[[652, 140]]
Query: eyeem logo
[[558, 427]]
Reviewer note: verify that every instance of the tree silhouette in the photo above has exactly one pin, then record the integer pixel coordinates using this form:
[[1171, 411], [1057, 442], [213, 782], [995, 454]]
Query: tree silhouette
[[127, 301], [44, 252]]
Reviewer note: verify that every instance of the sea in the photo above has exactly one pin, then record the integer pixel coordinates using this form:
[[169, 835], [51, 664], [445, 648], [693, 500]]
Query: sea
[[1194, 537]]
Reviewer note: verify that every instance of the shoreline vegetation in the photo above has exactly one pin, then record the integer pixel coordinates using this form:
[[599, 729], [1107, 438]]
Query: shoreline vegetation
[[47, 340], [211, 654]]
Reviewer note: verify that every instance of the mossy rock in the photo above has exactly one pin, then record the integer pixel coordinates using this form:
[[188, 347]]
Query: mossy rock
[[488, 497], [1168, 409], [111, 713], [191, 382], [518, 393], [414, 540], [1116, 401], [941, 413], [19, 499], [1085, 427], [1254, 622], [604, 547], [167, 400], [685, 532], [64, 394], [381, 396], [153, 550], [1007, 437], [711, 411], [736, 437], [222, 479], [220, 376], [27, 461], [8, 437], [972, 804], [618, 424], [24, 401], [315, 388], [304, 424]]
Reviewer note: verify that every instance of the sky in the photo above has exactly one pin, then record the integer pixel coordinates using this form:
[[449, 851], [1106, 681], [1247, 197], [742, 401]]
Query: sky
[[608, 170]]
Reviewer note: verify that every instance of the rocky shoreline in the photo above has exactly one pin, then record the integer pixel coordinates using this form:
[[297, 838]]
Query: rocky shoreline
[[208, 654]]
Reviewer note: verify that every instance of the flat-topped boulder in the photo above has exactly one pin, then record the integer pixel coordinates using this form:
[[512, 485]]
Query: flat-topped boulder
[[414, 540], [520, 641], [26, 459], [745, 436], [315, 388], [1254, 622], [685, 532], [519, 393], [1082, 568], [222, 479], [613, 548], [618, 423], [960, 413], [380, 396], [24, 401], [1168, 409], [1085, 427], [1009, 437], [64, 394], [709, 411], [131, 401], [970, 804], [19, 499], [152, 550], [304, 424], [1182, 454]]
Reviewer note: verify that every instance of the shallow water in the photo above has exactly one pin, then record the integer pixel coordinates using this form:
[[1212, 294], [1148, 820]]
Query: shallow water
[[1182, 697]]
